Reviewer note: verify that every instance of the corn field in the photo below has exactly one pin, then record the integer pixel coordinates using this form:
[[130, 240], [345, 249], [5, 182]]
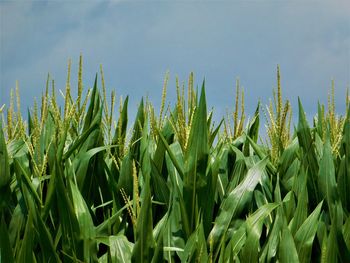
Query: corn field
[[78, 183]]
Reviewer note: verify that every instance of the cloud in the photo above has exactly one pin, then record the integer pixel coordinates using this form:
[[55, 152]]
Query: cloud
[[138, 41]]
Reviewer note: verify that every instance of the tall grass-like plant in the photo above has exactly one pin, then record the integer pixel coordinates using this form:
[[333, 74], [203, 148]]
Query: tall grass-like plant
[[75, 186], [329, 121], [278, 121], [238, 121]]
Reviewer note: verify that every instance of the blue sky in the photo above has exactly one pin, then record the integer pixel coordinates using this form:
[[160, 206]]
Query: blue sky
[[138, 41]]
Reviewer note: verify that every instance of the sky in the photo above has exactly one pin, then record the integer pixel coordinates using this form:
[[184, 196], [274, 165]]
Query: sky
[[137, 42]]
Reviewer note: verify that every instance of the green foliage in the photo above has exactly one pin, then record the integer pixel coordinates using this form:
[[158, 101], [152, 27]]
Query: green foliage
[[74, 187]]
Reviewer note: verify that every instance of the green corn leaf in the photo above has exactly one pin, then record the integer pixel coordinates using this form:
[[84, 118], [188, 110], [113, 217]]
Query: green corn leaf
[[206, 199], [81, 162], [46, 240], [196, 159], [287, 251], [344, 176], [86, 226], [271, 246], [235, 201], [120, 132], [287, 158], [259, 151], [197, 149], [177, 187], [159, 155], [25, 179], [5, 175], [159, 232], [220, 169], [26, 251], [253, 130], [332, 248], [346, 233], [158, 255], [144, 244], [214, 133], [125, 178], [236, 243], [250, 252], [173, 233], [30, 123], [239, 169], [172, 156], [326, 179], [300, 213], [273, 239], [94, 107], [79, 142], [68, 221], [120, 248], [160, 187], [337, 224], [6, 254], [320, 119], [343, 184], [137, 131], [309, 159], [305, 235], [195, 249]]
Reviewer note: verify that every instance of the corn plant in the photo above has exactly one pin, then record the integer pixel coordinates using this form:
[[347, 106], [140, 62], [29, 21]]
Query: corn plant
[[330, 121], [278, 121], [238, 122], [76, 186]]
